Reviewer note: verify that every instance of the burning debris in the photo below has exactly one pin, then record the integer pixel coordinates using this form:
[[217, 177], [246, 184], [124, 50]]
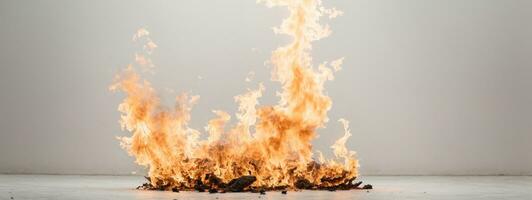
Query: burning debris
[[244, 184], [268, 148]]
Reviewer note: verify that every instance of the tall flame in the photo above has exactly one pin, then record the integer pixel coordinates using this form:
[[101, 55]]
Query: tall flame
[[272, 143]]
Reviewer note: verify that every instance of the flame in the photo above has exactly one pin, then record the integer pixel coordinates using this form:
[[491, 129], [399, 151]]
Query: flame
[[272, 143]]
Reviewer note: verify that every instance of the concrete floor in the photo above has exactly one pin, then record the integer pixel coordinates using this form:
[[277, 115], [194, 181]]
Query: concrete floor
[[386, 187]]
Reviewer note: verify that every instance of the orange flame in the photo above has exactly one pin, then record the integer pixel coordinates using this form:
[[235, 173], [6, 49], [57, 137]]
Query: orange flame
[[272, 143]]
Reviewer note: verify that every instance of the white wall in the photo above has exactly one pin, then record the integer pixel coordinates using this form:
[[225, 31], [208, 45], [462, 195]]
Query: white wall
[[430, 87]]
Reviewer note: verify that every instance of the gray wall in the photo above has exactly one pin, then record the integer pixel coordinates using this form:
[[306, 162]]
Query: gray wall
[[430, 86]]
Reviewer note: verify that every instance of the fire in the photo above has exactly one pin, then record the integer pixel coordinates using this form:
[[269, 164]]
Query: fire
[[271, 143]]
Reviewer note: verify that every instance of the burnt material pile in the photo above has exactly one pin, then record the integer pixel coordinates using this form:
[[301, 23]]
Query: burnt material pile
[[213, 184]]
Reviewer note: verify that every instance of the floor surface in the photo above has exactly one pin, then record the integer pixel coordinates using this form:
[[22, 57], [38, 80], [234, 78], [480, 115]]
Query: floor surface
[[385, 188]]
